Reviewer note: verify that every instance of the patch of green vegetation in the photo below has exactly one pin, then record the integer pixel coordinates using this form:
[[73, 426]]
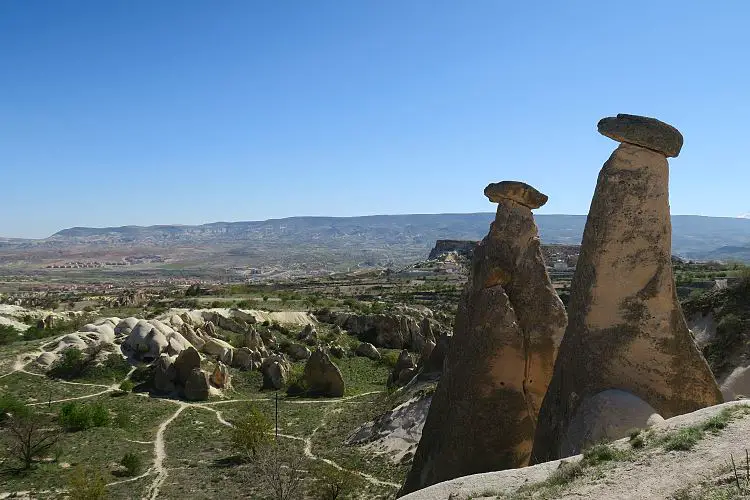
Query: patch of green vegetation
[[74, 364], [686, 438], [81, 416], [362, 375]]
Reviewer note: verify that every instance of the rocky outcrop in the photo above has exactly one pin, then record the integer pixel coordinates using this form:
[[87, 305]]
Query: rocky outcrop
[[508, 327], [368, 351], [297, 352], [220, 377], [197, 387], [164, 374], [461, 247], [147, 340], [626, 330], [404, 370], [275, 371], [322, 377], [187, 361], [390, 330]]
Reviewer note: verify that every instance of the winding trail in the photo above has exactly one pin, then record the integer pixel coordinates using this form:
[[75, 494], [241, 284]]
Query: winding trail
[[160, 454], [307, 450]]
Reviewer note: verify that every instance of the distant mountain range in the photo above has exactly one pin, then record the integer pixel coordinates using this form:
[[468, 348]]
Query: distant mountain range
[[377, 240]]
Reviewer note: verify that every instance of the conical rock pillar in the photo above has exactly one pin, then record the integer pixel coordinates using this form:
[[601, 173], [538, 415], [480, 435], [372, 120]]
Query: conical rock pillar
[[509, 324], [626, 334]]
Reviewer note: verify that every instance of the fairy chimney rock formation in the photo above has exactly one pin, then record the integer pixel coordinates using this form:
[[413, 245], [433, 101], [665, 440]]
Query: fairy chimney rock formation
[[509, 324], [626, 334]]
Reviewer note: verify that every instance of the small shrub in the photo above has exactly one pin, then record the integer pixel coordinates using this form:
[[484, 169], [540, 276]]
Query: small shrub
[[99, 416], [11, 406], [332, 483], [637, 440], [601, 453], [565, 473], [133, 463], [8, 334], [389, 358], [78, 417], [251, 432], [69, 365], [718, 422], [683, 439], [127, 385], [296, 385], [86, 484]]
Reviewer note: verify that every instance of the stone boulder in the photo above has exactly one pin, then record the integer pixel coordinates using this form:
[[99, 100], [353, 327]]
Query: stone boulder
[[145, 342], [367, 350], [508, 327], [253, 340], [247, 359], [192, 336], [125, 326], [737, 384], [626, 331], [404, 369], [275, 372], [165, 374], [308, 335], [605, 417], [187, 361], [642, 131], [519, 192], [322, 377], [297, 352], [197, 387], [220, 377], [217, 347]]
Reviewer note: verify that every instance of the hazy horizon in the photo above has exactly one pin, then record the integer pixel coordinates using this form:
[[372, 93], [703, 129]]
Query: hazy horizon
[[181, 224]]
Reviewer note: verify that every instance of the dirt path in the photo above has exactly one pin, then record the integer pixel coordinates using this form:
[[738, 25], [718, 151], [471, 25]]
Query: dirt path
[[160, 454], [307, 450]]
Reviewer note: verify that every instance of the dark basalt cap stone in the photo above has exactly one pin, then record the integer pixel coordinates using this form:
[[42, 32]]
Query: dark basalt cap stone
[[642, 131], [520, 192]]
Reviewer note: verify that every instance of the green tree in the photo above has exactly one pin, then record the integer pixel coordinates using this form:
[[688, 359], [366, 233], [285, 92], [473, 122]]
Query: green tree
[[251, 432]]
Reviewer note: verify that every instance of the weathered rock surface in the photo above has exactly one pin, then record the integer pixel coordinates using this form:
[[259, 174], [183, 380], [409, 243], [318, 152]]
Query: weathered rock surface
[[501, 358], [197, 386], [368, 351], [520, 192], [390, 331], [164, 374], [187, 361], [626, 328], [642, 131], [220, 377], [322, 377], [605, 417], [297, 352], [275, 372], [404, 369]]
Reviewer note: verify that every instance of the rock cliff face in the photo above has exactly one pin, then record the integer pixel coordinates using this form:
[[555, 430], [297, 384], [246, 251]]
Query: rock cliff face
[[508, 327], [626, 329]]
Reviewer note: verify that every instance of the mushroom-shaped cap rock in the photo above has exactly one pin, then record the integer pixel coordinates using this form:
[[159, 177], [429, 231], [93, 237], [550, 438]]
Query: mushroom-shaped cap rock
[[642, 131], [520, 192]]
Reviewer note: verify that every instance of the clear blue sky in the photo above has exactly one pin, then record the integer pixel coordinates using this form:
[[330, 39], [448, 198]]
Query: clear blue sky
[[142, 112]]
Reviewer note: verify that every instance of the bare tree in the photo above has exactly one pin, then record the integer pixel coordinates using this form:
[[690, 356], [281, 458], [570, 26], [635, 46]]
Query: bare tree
[[30, 436], [279, 472]]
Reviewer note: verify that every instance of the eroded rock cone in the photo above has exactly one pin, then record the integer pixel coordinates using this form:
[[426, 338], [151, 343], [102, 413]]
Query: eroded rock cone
[[508, 326], [626, 331], [322, 377]]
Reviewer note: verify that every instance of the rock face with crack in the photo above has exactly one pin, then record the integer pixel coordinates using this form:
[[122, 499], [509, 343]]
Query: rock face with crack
[[626, 328], [509, 324]]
